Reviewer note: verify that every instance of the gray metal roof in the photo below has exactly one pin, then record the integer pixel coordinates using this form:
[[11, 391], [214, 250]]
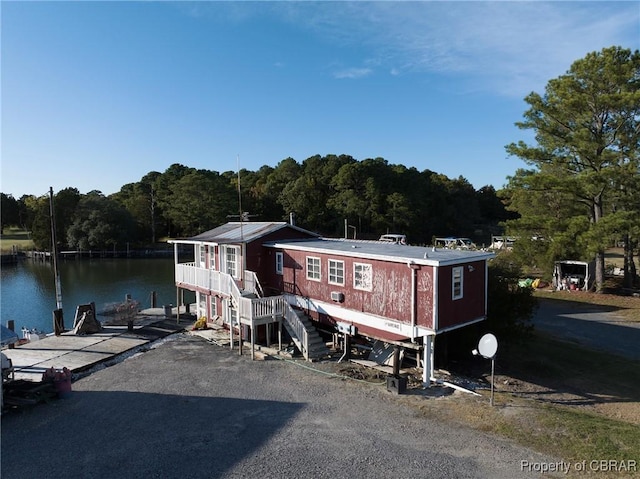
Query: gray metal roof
[[240, 232], [384, 251]]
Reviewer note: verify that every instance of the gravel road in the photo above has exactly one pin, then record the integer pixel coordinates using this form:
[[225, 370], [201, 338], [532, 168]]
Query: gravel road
[[592, 326], [188, 408]]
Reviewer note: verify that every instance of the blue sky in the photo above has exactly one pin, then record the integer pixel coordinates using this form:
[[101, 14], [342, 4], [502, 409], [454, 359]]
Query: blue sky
[[97, 94]]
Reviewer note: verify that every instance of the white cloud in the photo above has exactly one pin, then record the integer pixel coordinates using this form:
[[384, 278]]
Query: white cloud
[[352, 73], [508, 48]]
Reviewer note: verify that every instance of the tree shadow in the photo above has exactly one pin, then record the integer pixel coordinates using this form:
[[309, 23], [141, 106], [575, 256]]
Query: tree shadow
[[130, 434]]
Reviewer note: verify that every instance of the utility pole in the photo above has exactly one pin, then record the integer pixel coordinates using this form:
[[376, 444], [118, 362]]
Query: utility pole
[[58, 318]]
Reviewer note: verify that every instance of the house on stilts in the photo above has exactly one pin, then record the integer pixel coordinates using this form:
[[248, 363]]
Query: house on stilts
[[257, 278]]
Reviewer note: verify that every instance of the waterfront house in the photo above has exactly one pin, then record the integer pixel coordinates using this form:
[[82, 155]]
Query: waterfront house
[[258, 277]]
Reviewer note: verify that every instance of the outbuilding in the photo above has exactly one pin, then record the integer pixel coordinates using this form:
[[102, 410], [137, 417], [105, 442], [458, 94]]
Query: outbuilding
[[573, 275]]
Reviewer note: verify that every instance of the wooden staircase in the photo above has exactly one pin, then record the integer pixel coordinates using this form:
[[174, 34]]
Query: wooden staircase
[[296, 322], [316, 348]]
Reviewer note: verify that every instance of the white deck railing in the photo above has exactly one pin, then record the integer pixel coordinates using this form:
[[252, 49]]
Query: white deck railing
[[192, 275], [249, 309], [296, 329]]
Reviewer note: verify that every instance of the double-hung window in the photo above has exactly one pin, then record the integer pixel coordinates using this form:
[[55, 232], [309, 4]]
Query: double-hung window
[[229, 259], [212, 257], [313, 268], [279, 262], [362, 276], [214, 306], [457, 275], [336, 272], [202, 255]]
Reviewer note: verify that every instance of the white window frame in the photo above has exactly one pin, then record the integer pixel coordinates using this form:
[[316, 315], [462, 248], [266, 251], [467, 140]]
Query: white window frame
[[232, 320], [315, 272], [212, 257], [225, 264], [363, 279], [457, 282], [279, 262], [335, 271], [202, 304], [213, 306], [202, 256]]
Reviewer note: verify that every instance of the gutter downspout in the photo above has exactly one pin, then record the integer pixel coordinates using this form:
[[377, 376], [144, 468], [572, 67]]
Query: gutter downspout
[[414, 267]]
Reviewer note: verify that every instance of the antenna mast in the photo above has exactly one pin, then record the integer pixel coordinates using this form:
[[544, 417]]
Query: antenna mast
[[239, 197]]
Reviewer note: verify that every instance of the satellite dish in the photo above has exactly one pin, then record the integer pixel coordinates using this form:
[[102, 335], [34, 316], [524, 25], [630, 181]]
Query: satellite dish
[[488, 346]]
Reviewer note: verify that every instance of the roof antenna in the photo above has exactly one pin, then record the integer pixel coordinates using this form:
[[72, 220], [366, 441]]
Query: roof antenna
[[239, 197]]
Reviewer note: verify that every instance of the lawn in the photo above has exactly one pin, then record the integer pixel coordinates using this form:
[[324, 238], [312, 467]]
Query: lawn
[[15, 238], [559, 398]]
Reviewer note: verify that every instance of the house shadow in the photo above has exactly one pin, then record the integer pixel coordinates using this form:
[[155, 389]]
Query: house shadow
[[130, 434]]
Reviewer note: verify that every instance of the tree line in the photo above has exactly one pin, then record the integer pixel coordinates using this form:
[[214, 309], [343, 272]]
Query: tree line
[[579, 196], [373, 196]]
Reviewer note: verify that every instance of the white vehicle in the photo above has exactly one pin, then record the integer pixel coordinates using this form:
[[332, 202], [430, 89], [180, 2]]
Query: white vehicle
[[453, 242], [502, 242], [391, 238]]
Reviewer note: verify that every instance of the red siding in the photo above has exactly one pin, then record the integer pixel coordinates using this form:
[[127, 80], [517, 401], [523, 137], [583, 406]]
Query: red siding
[[389, 297], [468, 308], [261, 260]]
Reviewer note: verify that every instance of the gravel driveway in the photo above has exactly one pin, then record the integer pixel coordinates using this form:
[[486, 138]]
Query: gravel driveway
[[593, 326], [188, 408]]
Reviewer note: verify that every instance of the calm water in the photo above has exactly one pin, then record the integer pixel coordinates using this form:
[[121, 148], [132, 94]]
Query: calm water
[[28, 294]]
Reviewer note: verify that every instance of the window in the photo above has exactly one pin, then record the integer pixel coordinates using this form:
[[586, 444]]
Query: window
[[456, 282], [233, 317], [202, 253], [336, 272], [213, 307], [229, 260], [362, 276], [202, 304], [313, 268], [279, 262]]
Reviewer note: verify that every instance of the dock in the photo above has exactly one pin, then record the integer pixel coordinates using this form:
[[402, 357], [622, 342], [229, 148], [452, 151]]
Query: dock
[[80, 353]]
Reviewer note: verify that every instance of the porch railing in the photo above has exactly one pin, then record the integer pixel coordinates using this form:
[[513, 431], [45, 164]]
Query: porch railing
[[296, 328], [252, 284], [189, 273], [249, 309]]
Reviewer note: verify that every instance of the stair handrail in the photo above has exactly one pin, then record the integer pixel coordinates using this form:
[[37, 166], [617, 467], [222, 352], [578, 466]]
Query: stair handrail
[[296, 328], [252, 283]]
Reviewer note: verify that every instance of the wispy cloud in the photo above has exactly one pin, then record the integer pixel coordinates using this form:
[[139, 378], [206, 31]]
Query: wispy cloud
[[511, 47], [352, 73]]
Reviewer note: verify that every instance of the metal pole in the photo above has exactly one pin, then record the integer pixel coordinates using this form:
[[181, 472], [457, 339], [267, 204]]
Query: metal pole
[[493, 363], [58, 317], [54, 250]]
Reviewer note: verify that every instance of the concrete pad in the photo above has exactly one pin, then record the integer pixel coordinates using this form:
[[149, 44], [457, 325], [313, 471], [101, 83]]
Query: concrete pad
[[116, 345], [80, 352], [61, 343]]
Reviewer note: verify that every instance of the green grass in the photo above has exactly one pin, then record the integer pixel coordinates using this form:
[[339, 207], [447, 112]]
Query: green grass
[[598, 418], [14, 237], [582, 435]]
